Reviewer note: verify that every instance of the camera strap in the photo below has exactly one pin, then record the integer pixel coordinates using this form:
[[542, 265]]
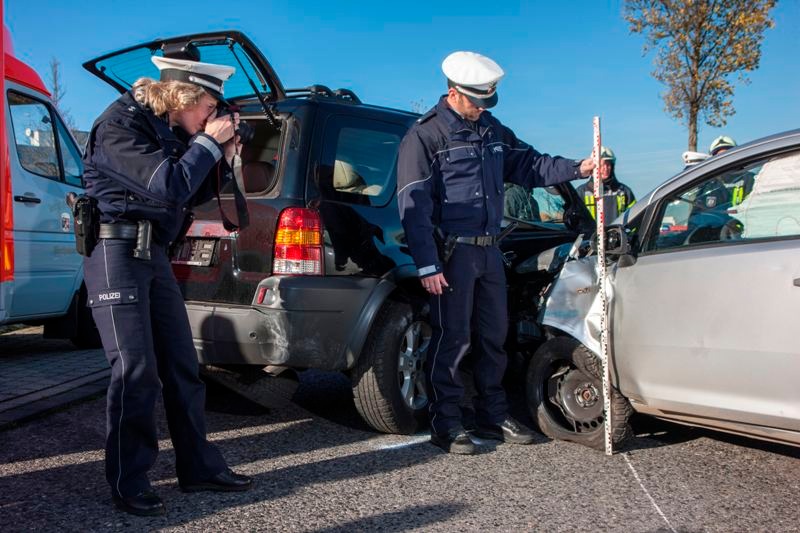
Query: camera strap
[[242, 214]]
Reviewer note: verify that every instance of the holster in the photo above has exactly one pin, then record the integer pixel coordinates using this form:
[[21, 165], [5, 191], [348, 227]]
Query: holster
[[445, 244], [87, 222]]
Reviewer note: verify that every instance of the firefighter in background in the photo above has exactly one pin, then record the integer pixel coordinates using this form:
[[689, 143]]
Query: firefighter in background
[[741, 188], [618, 196], [721, 144]]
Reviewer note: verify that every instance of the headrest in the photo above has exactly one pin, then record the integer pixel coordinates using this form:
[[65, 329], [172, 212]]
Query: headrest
[[345, 176]]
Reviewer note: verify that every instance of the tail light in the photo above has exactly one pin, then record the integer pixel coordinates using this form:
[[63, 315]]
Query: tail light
[[298, 242]]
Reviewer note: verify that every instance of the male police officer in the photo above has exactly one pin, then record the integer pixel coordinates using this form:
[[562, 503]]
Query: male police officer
[[451, 169], [617, 196]]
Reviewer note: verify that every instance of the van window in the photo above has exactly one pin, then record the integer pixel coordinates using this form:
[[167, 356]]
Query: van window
[[36, 143], [73, 166], [34, 136]]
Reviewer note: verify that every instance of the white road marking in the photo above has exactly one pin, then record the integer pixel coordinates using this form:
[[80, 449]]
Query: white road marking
[[647, 493]]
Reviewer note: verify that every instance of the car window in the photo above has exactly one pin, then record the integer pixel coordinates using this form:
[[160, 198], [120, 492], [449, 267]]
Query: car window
[[359, 161], [757, 201], [33, 135], [71, 157], [540, 204]]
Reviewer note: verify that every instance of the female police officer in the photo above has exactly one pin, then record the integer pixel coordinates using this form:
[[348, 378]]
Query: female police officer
[[147, 159]]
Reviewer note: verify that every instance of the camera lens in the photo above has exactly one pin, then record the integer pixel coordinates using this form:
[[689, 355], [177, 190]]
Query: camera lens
[[246, 132]]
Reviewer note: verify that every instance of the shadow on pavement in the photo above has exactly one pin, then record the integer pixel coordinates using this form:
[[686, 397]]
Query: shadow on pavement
[[653, 433], [418, 516]]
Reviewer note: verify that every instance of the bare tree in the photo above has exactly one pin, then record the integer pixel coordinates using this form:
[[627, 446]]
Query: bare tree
[[418, 106], [699, 45], [58, 93]]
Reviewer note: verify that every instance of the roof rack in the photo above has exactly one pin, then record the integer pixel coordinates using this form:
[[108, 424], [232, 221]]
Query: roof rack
[[322, 90]]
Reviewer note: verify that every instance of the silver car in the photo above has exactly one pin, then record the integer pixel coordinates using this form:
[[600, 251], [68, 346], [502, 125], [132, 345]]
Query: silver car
[[704, 312]]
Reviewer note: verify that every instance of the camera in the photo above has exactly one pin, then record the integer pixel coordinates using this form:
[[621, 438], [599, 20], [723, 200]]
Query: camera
[[245, 131]]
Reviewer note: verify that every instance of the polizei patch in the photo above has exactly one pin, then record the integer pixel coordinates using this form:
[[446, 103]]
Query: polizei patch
[[109, 297]]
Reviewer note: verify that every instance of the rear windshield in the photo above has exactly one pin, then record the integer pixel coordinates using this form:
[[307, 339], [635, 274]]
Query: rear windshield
[[128, 67]]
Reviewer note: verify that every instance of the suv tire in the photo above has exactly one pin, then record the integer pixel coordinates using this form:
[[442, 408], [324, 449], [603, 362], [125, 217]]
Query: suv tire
[[558, 369], [389, 379]]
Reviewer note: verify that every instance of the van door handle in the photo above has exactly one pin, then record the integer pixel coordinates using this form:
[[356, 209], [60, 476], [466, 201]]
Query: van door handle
[[797, 282], [27, 199]]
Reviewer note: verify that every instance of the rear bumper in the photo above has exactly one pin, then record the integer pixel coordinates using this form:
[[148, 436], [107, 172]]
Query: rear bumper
[[304, 322]]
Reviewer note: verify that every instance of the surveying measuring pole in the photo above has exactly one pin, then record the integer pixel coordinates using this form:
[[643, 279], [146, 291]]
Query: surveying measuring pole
[[601, 278]]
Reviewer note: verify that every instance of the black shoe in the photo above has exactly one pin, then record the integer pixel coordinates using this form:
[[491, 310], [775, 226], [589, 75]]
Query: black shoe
[[509, 431], [146, 503], [225, 481], [454, 441]]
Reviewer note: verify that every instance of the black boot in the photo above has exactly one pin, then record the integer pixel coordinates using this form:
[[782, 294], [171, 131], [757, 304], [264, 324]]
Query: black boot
[[225, 481], [146, 503], [454, 441]]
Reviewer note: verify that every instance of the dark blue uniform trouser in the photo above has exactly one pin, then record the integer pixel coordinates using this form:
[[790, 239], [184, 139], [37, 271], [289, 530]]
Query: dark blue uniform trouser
[[142, 320], [476, 308]]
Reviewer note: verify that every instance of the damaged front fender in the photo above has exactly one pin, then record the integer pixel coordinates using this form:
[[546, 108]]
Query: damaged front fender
[[573, 304]]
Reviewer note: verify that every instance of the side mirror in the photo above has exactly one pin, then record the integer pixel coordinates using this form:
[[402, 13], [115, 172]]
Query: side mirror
[[618, 245], [616, 240]]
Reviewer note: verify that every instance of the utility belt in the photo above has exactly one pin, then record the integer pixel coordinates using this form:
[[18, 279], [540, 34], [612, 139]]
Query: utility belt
[[481, 240], [141, 232], [446, 243], [89, 230]]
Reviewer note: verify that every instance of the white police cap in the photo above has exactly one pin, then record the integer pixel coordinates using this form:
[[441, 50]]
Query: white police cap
[[692, 158], [207, 75], [473, 75]]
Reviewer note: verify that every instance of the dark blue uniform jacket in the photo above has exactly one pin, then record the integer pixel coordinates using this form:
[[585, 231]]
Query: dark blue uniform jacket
[[450, 175], [139, 169]]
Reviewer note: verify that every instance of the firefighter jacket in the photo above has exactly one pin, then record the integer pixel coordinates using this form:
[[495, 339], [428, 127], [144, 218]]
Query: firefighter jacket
[[450, 176], [139, 169], [618, 198]]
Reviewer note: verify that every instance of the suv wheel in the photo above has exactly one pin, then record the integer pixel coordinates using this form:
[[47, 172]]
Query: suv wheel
[[565, 395], [389, 379]]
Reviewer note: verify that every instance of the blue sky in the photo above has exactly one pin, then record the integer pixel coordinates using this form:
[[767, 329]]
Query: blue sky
[[565, 62]]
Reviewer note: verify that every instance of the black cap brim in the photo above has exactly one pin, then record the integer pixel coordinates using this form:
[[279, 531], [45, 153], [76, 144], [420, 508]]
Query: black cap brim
[[186, 77], [483, 103]]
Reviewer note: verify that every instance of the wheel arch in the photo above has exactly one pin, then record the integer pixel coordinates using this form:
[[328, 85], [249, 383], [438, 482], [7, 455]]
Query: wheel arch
[[401, 284]]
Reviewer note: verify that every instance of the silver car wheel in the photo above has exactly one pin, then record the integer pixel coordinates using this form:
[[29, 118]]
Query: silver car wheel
[[410, 362]]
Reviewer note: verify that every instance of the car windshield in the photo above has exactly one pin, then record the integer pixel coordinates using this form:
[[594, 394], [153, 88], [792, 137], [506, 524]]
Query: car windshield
[[128, 67]]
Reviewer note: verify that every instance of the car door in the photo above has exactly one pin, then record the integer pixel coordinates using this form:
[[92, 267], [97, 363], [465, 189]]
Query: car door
[[45, 165], [705, 321]]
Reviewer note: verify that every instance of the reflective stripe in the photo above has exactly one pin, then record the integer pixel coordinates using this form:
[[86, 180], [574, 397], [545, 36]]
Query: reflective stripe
[[426, 270], [433, 363], [738, 195], [588, 200], [122, 377], [154, 173], [209, 145]]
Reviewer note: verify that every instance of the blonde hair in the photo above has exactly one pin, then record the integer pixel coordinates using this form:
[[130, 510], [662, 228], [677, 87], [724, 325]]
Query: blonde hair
[[166, 96]]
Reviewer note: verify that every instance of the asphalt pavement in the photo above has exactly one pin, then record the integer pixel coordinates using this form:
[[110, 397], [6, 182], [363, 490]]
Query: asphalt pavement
[[317, 467]]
